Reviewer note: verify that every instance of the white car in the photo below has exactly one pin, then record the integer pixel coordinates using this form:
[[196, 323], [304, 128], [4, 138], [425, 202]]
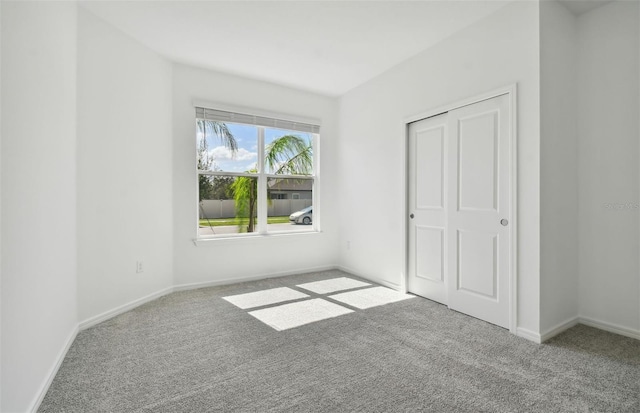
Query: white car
[[304, 216]]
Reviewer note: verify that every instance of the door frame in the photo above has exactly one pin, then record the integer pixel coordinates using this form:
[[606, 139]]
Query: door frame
[[511, 92]]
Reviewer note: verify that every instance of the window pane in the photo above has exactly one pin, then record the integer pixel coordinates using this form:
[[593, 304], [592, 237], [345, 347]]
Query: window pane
[[290, 201], [227, 147], [226, 204], [288, 152]]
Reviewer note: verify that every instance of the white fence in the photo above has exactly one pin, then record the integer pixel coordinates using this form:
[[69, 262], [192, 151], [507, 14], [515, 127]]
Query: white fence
[[214, 208]]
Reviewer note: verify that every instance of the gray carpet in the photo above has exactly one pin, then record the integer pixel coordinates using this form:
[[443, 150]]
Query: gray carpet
[[195, 352]]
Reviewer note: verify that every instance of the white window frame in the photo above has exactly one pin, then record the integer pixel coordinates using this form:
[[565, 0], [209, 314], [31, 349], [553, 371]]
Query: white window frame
[[262, 176]]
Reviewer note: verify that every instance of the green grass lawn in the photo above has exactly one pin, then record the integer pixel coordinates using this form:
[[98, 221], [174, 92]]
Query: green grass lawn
[[218, 222]]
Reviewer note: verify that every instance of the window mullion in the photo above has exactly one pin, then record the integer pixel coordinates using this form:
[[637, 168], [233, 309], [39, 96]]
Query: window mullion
[[315, 194], [262, 185]]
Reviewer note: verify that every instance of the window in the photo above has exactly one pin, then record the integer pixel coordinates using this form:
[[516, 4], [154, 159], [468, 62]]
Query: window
[[255, 174]]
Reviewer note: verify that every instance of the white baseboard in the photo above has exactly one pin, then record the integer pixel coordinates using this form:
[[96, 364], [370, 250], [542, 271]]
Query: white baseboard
[[227, 281], [554, 331], [44, 388], [376, 280], [529, 335], [601, 325], [612, 328], [92, 321]]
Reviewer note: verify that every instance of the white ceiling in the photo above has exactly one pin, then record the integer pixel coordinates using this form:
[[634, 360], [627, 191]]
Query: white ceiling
[[327, 47]]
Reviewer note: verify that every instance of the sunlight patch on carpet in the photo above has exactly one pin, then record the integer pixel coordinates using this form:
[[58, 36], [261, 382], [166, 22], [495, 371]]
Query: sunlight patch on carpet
[[332, 285], [265, 297], [292, 315], [370, 297]]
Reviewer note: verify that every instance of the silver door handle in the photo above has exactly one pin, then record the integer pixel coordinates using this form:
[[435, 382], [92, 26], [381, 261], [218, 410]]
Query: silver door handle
[[504, 222]]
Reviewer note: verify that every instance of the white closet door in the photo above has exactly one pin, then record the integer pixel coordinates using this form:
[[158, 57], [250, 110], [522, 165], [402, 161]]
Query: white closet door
[[478, 213], [427, 203]]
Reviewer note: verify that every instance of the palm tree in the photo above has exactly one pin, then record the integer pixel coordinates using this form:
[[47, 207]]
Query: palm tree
[[287, 155], [205, 161], [245, 193], [221, 130], [206, 184]]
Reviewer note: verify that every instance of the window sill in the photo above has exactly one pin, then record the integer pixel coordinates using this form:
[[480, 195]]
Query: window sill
[[210, 241]]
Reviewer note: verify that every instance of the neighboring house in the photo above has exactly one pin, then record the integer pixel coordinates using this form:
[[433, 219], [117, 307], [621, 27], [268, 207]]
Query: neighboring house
[[291, 189]]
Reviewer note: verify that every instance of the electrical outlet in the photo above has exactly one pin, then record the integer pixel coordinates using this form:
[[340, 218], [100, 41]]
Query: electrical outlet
[[348, 245], [139, 267]]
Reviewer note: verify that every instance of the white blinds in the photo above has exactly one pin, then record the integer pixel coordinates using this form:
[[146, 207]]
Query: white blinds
[[233, 117]]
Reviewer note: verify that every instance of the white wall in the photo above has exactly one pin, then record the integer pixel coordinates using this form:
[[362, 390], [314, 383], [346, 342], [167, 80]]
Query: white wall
[[228, 260], [497, 51], [38, 194], [607, 80], [125, 209], [558, 167]]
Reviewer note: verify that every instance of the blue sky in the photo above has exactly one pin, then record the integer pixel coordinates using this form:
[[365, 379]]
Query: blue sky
[[247, 139]]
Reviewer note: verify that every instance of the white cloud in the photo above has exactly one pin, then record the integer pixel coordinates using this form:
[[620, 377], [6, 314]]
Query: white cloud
[[221, 153]]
